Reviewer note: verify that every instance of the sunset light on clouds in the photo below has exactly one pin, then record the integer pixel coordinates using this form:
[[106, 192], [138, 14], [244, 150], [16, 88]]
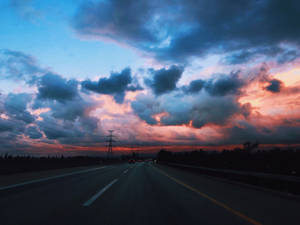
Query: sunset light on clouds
[[160, 73]]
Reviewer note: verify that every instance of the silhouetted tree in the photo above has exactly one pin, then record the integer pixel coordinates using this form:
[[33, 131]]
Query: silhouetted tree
[[248, 146]]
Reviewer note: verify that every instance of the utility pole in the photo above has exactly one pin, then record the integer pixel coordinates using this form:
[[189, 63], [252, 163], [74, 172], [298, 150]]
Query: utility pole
[[110, 145]]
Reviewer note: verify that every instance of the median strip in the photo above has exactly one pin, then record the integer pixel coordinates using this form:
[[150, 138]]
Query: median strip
[[98, 194]]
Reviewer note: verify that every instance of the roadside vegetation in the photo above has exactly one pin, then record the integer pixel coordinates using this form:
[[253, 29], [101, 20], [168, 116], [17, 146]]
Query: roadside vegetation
[[17, 164], [276, 160]]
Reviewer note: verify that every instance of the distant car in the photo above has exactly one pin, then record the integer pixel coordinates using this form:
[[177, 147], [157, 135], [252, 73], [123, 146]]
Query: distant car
[[131, 161]]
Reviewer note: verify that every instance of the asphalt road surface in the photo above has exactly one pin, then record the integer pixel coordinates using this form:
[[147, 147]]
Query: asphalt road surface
[[141, 193]]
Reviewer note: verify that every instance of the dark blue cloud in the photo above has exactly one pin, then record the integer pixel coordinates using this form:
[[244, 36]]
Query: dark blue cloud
[[53, 86], [18, 66], [55, 130], [223, 84], [178, 30], [82, 132], [67, 110], [114, 19], [145, 107], [201, 110], [274, 85], [280, 54], [194, 87], [89, 123], [164, 80], [244, 131], [70, 110], [216, 105], [16, 107], [6, 125], [288, 56], [16, 118], [239, 57], [10, 131], [33, 132], [116, 85], [68, 120]]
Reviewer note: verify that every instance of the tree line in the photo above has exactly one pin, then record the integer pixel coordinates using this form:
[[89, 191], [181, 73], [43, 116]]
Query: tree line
[[15, 164], [276, 160]]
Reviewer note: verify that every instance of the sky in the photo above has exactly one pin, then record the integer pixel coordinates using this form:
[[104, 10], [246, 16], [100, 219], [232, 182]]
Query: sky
[[159, 73]]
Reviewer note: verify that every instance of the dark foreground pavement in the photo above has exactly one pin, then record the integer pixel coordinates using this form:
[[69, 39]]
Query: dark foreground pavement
[[142, 193]]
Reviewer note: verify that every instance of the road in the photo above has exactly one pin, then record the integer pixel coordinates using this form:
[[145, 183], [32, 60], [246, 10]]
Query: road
[[141, 193]]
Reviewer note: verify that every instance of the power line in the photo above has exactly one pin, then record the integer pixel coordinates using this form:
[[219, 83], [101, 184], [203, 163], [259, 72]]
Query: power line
[[110, 144]]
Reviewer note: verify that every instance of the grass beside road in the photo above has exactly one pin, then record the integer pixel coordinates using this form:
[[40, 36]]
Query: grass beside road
[[22, 164], [11, 179]]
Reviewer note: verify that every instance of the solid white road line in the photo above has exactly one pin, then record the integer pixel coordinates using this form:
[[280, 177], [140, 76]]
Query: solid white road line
[[125, 171], [97, 195], [48, 178]]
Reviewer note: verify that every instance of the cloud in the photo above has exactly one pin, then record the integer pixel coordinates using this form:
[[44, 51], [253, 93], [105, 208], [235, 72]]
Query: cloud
[[89, 123], [263, 77], [194, 87], [190, 28], [25, 9], [221, 85], [114, 19], [17, 65], [10, 131], [10, 128], [83, 131], [164, 80], [116, 85], [6, 125], [225, 84], [253, 54], [196, 110], [53, 86], [244, 131], [69, 121], [33, 132], [67, 118], [16, 107], [239, 57], [145, 107], [208, 110], [274, 86], [53, 129], [288, 56], [14, 118], [70, 109]]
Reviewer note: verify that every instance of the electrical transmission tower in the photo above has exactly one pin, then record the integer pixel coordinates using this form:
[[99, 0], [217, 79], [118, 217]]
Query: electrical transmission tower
[[110, 144]]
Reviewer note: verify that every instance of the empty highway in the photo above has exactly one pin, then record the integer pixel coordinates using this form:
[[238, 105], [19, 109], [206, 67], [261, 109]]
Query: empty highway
[[137, 194]]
